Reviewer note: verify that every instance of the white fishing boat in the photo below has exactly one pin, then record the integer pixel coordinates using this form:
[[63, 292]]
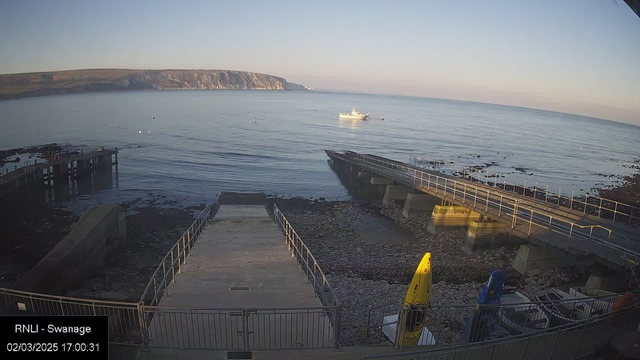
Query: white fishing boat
[[353, 115], [518, 315]]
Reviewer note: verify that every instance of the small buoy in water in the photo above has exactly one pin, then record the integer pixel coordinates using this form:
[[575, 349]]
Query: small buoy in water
[[139, 131], [387, 128], [153, 118], [381, 118], [149, 132]]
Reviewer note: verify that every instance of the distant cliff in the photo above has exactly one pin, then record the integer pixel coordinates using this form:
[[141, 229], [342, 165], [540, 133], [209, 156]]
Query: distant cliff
[[13, 86]]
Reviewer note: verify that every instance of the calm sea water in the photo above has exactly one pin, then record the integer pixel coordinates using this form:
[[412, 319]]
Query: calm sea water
[[202, 142]]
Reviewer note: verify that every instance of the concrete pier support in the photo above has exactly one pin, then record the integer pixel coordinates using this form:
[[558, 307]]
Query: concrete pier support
[[104, 161], [60, 172], [531, 257], [365, 175], [487, 235], [381, 181], [82, 167], [395, 192], [613, 283], [448, 217], [419, 203]]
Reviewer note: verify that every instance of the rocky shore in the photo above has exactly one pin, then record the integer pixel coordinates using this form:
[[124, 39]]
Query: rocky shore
[[628, 192], [370, 274]]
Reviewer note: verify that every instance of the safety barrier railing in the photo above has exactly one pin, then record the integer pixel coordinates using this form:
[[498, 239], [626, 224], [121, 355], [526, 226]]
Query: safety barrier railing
[[311, 268], [523, 218], [242, 329], [452, 324], [588, 204], [125, 319], [172, 263], [571, 340]]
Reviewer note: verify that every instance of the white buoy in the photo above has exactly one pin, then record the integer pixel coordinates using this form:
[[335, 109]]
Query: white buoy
[[139, 131]]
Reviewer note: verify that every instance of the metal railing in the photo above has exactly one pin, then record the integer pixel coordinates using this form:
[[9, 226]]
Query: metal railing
[[454, 324], [588, 204], [242, 329], [175, 258], [125, 319], [311, 268], [523, 217], [567, 341], [148, 325]]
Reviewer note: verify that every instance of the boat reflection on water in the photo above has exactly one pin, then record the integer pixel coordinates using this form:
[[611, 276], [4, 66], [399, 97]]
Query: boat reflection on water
[[350, 123]]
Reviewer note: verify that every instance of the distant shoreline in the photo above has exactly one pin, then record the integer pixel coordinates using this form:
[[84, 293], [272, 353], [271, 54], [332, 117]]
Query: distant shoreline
[[16, 86]]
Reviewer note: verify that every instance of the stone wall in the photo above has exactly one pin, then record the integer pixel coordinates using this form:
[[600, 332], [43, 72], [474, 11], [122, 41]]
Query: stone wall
[[96, 236]]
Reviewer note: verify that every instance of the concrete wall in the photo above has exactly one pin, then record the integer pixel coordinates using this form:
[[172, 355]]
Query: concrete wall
[[75, 259]]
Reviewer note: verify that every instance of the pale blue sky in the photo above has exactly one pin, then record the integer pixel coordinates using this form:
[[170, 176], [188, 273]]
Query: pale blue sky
[[577, 56]]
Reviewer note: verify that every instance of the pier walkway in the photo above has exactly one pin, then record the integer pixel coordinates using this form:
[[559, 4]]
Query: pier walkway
[[612, 243], [241, 289]]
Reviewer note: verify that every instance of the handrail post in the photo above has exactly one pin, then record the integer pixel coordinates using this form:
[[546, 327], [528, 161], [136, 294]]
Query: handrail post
[[600, 208], [454, 189], [546, 194], [530, 222], [173, 273], [486, 209], [571, 204], [245, 329], [143, 326], [184, 251], [336, 327], [464, 193], [515, 211], [500, 207], [615, 211], [475, 198], [586, 202], [189, 241], [559, 194], [178, 254], [164, 279]]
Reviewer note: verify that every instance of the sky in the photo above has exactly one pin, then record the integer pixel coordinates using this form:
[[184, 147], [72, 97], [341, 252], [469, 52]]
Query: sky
[[575, 56]]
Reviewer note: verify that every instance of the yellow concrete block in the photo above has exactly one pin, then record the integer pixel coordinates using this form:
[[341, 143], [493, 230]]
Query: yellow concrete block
[[485, 228], [453, 216]]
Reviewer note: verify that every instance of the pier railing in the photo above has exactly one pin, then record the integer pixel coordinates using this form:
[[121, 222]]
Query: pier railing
[[311, 268], [523, 217], [171, 264], [588, 204]]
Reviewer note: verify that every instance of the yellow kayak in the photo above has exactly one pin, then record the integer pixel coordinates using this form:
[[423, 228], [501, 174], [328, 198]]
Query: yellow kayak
[[419, 293]]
